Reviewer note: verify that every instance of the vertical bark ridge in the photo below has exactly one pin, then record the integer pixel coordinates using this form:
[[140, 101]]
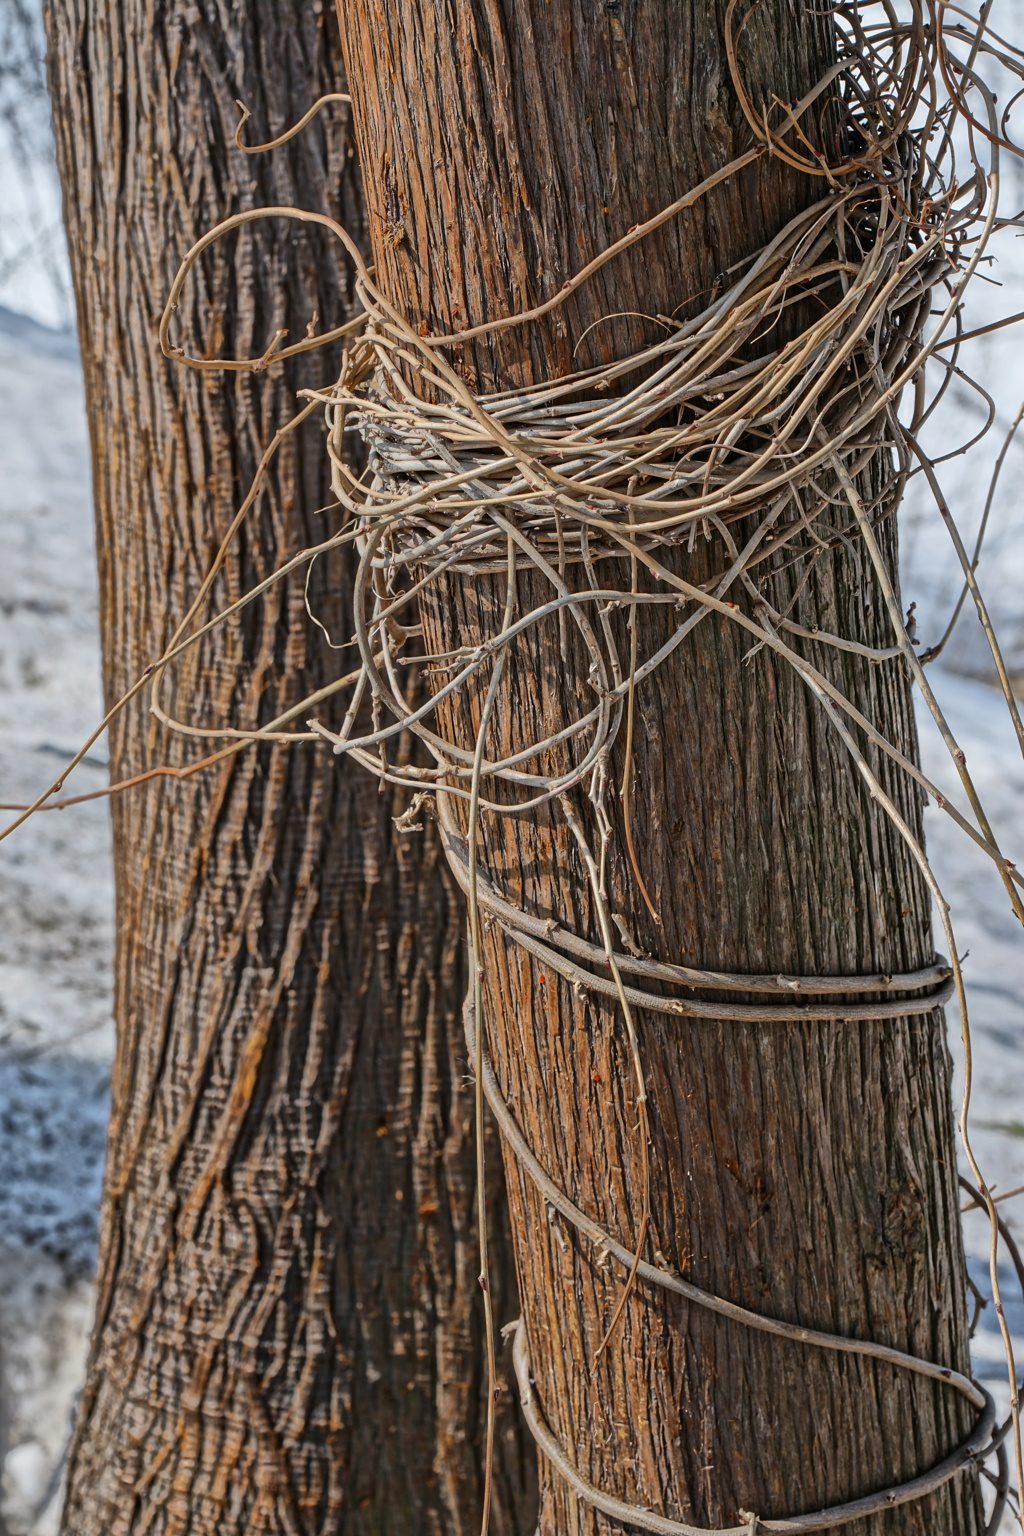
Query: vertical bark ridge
[[286, 1339]]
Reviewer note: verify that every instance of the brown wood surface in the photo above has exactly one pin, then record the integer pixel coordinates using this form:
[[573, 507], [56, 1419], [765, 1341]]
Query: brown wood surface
[[287, 1338], [807, 1171]]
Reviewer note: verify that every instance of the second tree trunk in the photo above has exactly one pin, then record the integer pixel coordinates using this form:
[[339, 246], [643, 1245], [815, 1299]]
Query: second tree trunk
[[286, 1339]]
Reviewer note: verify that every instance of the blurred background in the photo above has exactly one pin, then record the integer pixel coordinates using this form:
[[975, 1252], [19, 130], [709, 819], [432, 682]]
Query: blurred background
[[56, 888], [34, 278]]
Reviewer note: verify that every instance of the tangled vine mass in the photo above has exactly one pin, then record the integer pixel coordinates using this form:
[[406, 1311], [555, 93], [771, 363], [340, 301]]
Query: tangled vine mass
[[714, 432]]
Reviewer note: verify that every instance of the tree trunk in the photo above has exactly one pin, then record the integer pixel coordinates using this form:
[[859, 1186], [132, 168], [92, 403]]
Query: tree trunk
[[803, 1171], [286, 1337]]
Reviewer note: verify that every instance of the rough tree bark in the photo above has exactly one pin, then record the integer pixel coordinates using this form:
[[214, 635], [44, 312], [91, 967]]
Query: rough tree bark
[[806, 1171], [286, 1337]]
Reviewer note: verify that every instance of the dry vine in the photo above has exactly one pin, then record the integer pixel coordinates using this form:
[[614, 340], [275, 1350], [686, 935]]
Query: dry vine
[[721, 427]]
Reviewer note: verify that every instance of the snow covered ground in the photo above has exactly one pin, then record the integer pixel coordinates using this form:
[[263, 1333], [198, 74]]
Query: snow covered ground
[[56, 896], [55, 882], [991, 938]]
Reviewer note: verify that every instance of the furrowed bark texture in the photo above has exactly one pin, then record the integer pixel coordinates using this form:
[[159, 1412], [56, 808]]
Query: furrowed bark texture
[[286, 1337], [803, 1170]]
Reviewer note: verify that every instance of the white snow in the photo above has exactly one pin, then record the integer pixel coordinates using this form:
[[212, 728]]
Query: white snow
[[56, 895], [34, 275], [992, 940]]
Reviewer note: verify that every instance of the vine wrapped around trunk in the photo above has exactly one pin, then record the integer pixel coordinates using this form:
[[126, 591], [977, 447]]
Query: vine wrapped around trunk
[[647, 289]]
